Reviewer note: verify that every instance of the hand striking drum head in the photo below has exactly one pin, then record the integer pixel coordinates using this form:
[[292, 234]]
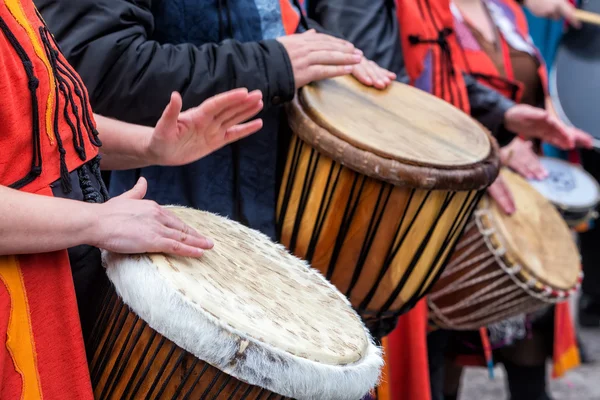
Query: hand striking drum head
[[575, 76], [246, 307], [377, 188]]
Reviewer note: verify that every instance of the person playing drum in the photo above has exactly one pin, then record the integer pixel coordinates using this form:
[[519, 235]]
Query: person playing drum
[[413, 55], [496, 47], [54, 199]]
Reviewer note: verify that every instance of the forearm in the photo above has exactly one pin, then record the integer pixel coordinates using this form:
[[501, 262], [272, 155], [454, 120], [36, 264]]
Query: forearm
[[34, 223], [124, 145], [489, 108]]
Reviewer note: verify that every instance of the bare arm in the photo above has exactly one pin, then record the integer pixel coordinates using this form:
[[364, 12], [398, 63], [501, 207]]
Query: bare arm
[[32, 223], [124, 145], [27, 226], [180, 137]]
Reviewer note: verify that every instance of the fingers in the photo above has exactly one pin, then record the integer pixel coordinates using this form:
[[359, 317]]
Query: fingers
[[195, 240], [171, 221], [538, 170], [501, 194], [178, 248], [332, 57], [171, 112], [242, 130], [138, 191], [242, 115], [559, 134], [221, 102], [332, 40], [320, 72], [362, 74], [252, 102], [582, 139], [567, 10]]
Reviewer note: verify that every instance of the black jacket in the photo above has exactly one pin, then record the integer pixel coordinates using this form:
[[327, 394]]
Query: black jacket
[[132, 54]]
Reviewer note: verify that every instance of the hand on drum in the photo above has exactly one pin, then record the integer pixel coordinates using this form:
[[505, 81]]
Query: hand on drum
[[183, 137], [500, 192], [532, 122], [129, 225], [554, 9], [520, 157], [370, 74], [315, 56]]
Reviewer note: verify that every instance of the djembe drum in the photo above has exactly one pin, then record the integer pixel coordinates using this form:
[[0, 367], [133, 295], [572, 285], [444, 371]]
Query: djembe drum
[[247, 320], [573, 191], [378, 187], [504, 265]]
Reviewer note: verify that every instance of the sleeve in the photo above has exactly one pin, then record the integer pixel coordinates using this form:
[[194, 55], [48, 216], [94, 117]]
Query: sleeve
[[130, 77], [371, 26], [489, 107]]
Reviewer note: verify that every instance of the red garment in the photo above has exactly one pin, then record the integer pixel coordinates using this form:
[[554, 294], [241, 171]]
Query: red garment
[[429, 46], [45, 117], [406, 350], [477, 62], [290, 16]]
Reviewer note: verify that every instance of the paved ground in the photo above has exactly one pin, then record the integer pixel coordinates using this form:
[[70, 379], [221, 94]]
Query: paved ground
[[581, 384]]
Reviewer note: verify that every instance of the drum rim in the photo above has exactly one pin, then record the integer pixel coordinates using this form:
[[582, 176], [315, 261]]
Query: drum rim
[[476, 176], [586, 209], [533, 285], [251, 356], [553, 89]]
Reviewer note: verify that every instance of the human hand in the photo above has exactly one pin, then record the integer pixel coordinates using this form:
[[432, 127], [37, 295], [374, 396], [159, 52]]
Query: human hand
[[501, 194], [554, 9], [129, 225], [519, 156], [532, 122], [183, 137], [315, 56], [370, 74]]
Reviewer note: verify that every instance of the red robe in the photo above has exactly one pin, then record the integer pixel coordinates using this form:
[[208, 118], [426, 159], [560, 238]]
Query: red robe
[[43, 355]]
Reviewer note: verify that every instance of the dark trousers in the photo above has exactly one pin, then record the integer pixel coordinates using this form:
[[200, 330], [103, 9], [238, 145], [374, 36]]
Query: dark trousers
[[590, 240]]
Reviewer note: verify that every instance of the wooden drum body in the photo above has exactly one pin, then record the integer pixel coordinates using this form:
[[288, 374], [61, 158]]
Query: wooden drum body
[[378, 187], [247, 320], [504, 266]]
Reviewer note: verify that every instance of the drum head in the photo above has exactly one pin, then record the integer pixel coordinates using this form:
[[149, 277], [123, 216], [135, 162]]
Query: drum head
[[401, 123], [575, 77], [254, 311], [536, 237], [568, 186]]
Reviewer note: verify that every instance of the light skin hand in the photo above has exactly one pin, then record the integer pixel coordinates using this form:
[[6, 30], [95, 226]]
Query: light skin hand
[[180, 137], [315, 56], [520, 157], [532, 122]]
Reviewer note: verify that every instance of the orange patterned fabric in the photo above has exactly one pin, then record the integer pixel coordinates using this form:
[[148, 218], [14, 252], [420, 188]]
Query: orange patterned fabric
[[36, 93], [47, 131]]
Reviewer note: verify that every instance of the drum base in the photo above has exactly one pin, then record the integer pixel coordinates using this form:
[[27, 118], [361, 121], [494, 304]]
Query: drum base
[[132, 361]]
